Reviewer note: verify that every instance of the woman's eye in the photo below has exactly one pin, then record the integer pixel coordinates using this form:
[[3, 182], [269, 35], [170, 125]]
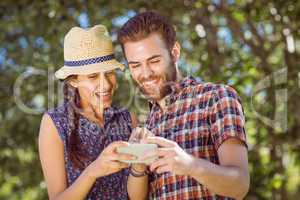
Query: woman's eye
[[93, 76], [109, 73]]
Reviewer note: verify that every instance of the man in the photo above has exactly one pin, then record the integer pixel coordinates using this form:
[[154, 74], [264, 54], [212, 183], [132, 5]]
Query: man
[[198, 126]]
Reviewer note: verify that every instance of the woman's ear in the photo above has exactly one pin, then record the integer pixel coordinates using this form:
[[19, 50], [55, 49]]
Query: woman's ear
[[176, 52], [73, 83]]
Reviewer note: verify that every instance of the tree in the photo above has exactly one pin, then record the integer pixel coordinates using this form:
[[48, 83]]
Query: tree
[[249, 44]]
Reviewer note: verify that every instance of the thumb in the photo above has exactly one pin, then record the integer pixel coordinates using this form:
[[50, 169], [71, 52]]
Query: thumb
[[113, 146]]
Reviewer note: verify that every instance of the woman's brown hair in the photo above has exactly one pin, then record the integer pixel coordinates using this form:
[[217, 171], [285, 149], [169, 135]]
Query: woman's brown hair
[[73, 144]]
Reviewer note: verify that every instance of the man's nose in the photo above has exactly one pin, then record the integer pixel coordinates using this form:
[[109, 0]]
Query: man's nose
[[147, 71]]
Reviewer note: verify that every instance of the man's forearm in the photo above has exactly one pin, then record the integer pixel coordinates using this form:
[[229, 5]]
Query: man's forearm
[[228, 181], [137, 187]]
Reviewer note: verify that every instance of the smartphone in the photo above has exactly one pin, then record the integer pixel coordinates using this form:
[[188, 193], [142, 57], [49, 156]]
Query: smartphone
[[138, 150]]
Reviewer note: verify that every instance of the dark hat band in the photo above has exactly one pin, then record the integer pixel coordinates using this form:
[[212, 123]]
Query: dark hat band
[[89, 61]]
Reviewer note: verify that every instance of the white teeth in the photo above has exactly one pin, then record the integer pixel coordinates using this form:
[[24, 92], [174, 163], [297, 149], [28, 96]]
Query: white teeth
[[149, 83], [102, 93]]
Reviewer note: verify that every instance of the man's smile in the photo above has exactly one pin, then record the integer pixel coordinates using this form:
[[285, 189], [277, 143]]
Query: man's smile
[[150, 83]]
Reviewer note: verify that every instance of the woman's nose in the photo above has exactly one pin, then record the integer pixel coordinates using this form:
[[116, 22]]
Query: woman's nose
[[105, 83]]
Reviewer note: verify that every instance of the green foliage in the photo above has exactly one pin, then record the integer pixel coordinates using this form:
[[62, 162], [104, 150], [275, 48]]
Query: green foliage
[[243, 43]]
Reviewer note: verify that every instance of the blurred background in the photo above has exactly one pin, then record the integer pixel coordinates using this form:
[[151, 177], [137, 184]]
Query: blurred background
[[252, 45]]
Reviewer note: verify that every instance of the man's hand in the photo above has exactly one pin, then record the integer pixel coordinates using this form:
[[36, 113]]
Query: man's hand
[[139, 134], [172, 158]]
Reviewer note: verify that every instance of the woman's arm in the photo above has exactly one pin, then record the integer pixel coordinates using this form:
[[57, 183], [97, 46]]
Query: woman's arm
[[52, 159], [137, 187], [51, 152]]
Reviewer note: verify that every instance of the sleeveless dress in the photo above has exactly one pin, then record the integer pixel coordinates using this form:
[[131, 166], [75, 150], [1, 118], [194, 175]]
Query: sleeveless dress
[[117, 126]]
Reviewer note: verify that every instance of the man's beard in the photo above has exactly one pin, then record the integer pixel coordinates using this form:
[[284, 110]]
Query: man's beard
[[169, 79]]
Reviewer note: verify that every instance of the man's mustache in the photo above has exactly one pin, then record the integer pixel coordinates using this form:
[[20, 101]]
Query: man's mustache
[[142, 80]]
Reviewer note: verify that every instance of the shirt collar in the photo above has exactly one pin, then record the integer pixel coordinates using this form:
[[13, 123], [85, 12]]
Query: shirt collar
[[176, 88]]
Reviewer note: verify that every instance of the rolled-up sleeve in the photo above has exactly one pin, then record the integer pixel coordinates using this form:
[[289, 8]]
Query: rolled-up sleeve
[[226, 116]]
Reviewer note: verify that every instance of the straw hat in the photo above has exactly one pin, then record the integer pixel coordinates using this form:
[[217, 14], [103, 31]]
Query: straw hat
[[87, 51]]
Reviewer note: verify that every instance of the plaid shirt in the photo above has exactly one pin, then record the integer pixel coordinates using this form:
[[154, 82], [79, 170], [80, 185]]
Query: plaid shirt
[[199, 117]]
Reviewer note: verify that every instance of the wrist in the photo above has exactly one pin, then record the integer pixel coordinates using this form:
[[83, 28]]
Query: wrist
[[90, 172], [195, 168], [137, 174], [140, 168]]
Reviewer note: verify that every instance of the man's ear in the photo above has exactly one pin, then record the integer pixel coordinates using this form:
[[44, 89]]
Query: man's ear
[[176, 52]]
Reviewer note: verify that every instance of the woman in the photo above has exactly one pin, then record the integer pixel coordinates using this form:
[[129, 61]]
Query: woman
[[78, 140]]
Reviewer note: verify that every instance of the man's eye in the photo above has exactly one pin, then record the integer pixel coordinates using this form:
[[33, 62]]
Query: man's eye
[[135, 66], [155, 61]]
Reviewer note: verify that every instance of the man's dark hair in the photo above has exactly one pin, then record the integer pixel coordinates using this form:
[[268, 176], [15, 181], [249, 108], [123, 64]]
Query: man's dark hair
[[144, 24]]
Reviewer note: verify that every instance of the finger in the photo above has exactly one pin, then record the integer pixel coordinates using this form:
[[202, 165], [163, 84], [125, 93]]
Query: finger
[[123, 156], [123, 165], [148, 132], [159, 152], [118, 165], [163, 169], [137, 129], [113, 146], [134, 137], [158, 163], [142, 134], [148, 154], [143, 141], [159, 141], [114, 164]]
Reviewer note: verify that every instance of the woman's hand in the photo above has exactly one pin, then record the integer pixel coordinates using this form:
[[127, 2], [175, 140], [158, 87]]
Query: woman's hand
[[108, 161], [136, 136]]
